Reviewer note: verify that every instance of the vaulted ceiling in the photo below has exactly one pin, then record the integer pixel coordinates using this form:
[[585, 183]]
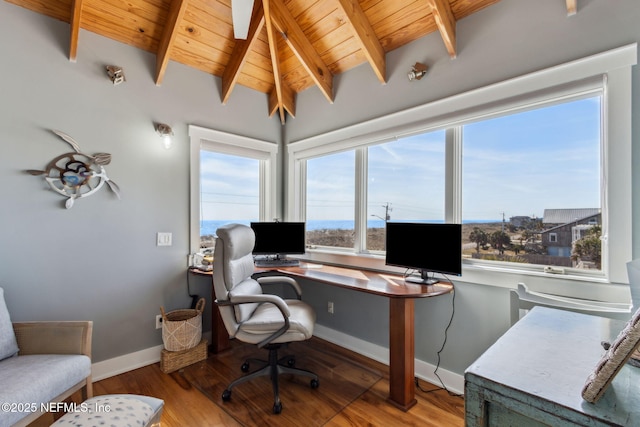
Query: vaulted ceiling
[[291, 45]]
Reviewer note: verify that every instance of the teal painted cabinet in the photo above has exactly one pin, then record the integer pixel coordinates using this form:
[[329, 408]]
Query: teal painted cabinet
[[534, 375]]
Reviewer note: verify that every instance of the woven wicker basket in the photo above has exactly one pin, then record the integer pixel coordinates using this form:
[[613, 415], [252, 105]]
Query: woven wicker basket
[[182, 329], [171, 361]]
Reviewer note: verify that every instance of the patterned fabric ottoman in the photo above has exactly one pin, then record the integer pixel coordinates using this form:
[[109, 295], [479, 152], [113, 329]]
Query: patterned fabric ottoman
[[114, 410]]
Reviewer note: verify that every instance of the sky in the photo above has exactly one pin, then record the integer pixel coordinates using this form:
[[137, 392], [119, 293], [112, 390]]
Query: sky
[[514, 165], [229, 187], [541, 159]]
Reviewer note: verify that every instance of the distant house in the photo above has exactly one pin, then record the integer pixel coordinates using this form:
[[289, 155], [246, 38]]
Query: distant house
[[553, 217], [564, 226]]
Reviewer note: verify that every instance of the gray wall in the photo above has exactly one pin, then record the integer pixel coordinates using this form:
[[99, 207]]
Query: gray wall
[[99, 260]]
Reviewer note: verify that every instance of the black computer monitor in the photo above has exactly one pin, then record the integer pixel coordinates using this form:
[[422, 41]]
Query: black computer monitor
[[426, 247], [279, 238]]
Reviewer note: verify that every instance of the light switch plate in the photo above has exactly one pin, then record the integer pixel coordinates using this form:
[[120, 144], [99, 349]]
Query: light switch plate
[[163, 239]]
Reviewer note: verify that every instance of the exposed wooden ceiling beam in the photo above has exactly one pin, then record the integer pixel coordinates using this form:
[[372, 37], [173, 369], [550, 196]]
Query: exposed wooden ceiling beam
[[287, 26], [365, 35], [169, 33], [288, 102], [572, 7], [275, 64], [446, 23], [274, 102], [76, 17], [241, 52], [282, 95]]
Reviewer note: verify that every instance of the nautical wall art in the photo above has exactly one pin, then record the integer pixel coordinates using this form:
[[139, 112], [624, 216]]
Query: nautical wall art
[[76, 175]]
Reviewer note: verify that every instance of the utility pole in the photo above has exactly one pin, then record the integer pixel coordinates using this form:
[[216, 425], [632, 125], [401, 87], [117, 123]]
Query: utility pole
[[387, 216], [387, 209]]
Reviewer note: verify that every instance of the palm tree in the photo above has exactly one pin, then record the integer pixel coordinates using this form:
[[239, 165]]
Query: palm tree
[[479, 237], [499, 239]]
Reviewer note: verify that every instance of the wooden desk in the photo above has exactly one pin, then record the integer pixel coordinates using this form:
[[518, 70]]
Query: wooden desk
[[219, 335], [401, 317], [535, 372]]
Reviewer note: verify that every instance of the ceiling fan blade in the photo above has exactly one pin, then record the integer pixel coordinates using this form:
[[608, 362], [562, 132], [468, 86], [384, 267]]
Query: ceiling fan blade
[[241, 15]]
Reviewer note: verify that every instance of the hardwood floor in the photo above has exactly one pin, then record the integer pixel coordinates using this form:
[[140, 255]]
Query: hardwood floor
[[192, 396]]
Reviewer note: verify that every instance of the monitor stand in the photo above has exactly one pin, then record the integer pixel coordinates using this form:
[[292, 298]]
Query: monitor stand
[[276, 261], [423, 279]]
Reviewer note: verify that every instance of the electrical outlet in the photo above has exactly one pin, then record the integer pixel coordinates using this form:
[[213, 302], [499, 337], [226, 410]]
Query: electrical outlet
[[159, 321], [330, 307]]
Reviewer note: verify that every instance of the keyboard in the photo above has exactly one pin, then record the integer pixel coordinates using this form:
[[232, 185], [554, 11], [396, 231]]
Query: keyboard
[[277, 263]]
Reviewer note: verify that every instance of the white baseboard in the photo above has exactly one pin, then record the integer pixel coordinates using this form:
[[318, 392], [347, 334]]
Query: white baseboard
[[129, 362], [423, 370]]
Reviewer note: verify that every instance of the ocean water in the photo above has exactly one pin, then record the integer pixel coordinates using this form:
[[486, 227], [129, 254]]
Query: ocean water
[[208, 227]]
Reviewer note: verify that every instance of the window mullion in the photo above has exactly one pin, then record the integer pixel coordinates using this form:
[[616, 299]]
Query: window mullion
[[361, 200], [301, 190], [453, 175]]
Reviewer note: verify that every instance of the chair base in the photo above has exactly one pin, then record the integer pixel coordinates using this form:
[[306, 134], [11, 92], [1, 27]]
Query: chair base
[[273, 368]]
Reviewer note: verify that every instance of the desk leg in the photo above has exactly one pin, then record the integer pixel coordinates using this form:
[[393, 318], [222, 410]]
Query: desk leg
[[219, 334], [401, 353]]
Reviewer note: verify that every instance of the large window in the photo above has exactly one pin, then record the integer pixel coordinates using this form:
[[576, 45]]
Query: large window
[[525, 175], [233, 179], [537, 169]]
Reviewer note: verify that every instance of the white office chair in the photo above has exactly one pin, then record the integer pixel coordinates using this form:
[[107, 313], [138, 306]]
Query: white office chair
[[253, 317]]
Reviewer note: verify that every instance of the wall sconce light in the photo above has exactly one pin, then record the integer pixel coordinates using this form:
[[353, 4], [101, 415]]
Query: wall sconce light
[[115, 74], [166, 133], [417, 72]]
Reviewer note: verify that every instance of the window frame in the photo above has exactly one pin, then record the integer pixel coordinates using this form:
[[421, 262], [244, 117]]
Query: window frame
[[227, 143], [608, 72]]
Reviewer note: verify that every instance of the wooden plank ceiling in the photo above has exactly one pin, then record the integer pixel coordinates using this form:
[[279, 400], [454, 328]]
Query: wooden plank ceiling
[[292, 44]]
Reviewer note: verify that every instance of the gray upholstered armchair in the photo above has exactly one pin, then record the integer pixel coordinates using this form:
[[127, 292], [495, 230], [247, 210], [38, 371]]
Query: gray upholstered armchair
[[41, 362], [254, 317]]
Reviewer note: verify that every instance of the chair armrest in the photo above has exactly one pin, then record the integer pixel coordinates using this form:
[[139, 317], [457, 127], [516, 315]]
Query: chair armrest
[[61, 337], [268, 280], [264, 298]]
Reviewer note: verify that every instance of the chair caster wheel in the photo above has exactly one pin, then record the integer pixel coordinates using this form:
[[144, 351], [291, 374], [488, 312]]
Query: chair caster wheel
[[315, 384], [245, 367], [226, 395], [291, 363], [277, 408]]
